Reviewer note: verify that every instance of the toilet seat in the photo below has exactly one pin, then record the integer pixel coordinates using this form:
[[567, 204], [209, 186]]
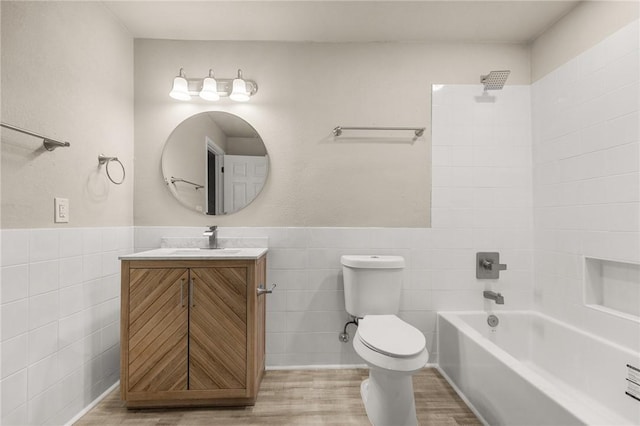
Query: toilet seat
[[390, 336]]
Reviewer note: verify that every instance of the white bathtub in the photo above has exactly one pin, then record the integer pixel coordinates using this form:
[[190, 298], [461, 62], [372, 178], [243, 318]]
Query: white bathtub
[[534, 370]]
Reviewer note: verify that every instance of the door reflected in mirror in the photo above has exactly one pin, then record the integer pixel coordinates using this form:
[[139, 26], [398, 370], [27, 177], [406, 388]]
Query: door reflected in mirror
[[215, 163]]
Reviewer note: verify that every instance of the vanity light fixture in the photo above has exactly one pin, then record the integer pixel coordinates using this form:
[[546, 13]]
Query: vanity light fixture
[[180, 89], [239, 92], [212, 89], [209, 90]]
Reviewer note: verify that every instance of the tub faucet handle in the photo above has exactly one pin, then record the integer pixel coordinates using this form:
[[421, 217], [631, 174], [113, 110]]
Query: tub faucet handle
[[488, 265]]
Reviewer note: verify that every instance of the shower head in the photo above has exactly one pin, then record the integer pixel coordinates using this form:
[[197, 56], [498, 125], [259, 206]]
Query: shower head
[[494, 80]]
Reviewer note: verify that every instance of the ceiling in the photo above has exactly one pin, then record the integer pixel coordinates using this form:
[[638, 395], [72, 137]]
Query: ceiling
[[506, 21]]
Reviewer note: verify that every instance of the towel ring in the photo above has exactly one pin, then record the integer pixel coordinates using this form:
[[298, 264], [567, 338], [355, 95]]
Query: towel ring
[[102, 159]]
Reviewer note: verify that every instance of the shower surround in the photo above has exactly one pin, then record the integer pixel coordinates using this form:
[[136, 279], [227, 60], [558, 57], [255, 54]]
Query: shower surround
[[571, 359], [586, 186]]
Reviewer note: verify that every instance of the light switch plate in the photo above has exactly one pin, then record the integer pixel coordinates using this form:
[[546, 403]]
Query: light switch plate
[[61, 210]]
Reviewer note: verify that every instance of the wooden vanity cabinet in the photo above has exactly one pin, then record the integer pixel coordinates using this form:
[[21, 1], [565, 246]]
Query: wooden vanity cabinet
[[192, 332]]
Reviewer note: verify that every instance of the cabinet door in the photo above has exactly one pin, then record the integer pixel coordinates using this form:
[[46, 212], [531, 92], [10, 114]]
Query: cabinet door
[[218, 328], [158, 328]]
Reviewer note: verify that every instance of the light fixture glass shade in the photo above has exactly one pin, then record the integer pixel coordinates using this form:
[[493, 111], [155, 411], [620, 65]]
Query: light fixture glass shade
[[180, 90], [239, 92], [209, 90]]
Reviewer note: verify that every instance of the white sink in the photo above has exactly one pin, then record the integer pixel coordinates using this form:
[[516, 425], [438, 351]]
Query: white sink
[[198, 253], [230, 251], [183, 251], [205, 252]]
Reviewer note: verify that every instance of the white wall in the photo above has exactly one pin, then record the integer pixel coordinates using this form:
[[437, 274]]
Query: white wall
[[586, 178], [481, 202], [586, 25], [67, 72], [305, 90]]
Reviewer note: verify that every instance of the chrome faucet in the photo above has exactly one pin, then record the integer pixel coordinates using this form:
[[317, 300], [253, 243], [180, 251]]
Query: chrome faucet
[[212, 233], [499, 299]]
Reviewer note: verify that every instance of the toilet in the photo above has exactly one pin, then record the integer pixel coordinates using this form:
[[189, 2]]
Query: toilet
[[393, 349]]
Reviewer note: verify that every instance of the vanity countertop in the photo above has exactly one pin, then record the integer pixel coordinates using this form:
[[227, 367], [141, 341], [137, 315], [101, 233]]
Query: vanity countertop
[[196, 254]]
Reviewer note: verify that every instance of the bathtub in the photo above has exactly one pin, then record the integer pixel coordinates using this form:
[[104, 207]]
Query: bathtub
[[534, 370]]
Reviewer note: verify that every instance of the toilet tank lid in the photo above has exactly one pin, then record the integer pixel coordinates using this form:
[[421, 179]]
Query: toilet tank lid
[[373, 261]]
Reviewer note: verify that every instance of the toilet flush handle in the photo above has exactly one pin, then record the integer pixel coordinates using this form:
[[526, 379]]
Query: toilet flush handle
[[262, 290]]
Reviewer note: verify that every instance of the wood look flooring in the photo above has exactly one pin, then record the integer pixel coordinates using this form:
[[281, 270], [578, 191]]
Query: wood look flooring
[[297, 397]]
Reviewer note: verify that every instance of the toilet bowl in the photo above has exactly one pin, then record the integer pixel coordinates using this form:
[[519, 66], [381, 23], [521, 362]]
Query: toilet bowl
[[394, 351]]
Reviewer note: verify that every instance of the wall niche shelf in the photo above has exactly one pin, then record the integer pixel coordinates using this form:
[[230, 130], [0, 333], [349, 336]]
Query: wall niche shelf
[[612, 286]]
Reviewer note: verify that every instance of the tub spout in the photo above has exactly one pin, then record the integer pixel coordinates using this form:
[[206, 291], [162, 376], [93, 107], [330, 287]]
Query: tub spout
[[497, 297]]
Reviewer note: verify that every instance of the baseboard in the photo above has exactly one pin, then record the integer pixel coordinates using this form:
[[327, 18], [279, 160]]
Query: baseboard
[[461, 395], [315, 367], [327, 367], [93, 403]]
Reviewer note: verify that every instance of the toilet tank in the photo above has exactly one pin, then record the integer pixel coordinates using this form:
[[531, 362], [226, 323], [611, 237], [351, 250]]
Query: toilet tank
[[372, 284]]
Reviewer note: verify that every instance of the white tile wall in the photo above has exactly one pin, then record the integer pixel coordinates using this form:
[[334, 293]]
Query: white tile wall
[[482, 146], [59, 309], [586, 169], [481, 200]]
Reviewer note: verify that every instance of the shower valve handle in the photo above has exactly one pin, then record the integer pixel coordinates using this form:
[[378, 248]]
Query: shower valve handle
[[490, 266]]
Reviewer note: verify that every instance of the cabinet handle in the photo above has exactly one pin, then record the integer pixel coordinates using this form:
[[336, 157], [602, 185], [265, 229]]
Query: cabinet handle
[[262, 290], [191, 291], [182, 292]]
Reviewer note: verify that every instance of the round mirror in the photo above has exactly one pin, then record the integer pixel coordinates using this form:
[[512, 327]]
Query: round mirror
[[215, 163]]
